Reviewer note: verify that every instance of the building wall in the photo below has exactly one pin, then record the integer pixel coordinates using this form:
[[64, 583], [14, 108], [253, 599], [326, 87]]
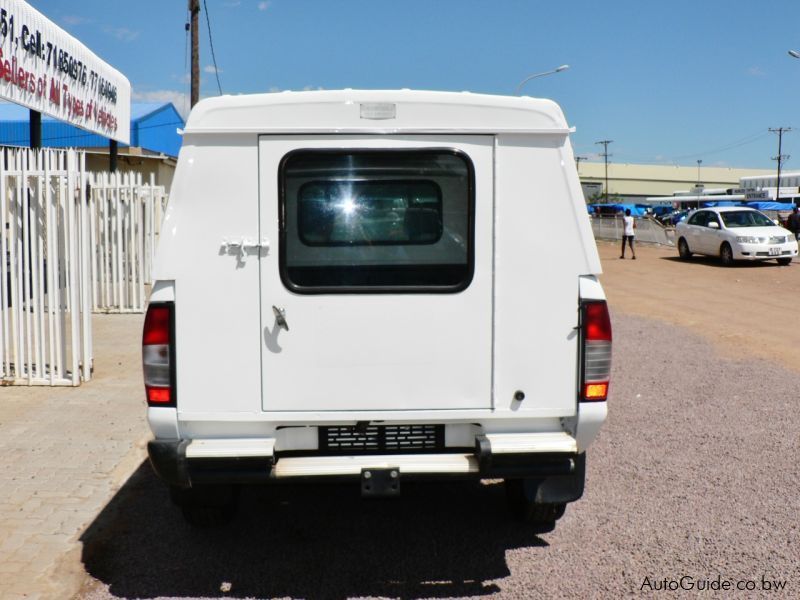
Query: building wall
[[632, 181], [163, 170], [156, 131]]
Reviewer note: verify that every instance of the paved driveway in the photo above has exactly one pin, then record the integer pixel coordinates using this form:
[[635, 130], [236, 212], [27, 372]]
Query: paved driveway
[[64, 452]]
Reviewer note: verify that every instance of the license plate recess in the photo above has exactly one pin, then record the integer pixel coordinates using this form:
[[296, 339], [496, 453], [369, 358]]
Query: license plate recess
[[380, 482]]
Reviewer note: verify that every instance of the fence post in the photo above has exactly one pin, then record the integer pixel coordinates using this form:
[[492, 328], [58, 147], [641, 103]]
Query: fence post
[[51, 281], [16, 271], [5, 366], [86, 272]]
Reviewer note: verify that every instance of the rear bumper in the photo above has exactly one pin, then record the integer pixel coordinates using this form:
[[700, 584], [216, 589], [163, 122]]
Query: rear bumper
[[551, 460]]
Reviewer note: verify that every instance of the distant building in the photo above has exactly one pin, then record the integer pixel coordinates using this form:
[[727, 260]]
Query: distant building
[[154, 147], [631, 182]]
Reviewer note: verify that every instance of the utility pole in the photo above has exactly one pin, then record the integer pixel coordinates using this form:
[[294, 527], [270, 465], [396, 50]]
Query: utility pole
[[605, 156], [780, 158], [194, 10]]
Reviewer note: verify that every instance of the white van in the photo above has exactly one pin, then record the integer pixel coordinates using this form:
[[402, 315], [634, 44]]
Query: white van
[[376, 286]]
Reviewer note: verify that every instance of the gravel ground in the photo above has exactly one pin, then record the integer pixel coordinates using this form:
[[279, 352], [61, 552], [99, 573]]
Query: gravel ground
[[695, 474]]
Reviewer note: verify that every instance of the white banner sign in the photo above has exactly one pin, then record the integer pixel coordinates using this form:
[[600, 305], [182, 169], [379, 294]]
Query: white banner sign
[[46, 69]]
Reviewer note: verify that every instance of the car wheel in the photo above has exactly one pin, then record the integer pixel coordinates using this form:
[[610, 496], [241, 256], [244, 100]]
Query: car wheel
[[542, 516], [683, 249], [726, 254], [785, 261]]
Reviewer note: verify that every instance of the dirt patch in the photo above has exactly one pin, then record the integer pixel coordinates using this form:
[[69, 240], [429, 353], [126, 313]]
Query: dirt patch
[[748, 310]]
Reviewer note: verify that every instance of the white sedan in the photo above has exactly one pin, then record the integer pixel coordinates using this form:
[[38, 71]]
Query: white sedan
[[734, 233]]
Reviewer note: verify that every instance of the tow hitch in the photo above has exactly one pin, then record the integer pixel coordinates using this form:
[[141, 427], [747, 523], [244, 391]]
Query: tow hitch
[[380, 482]]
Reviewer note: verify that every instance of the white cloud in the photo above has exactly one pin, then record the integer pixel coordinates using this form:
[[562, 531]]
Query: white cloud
[[232, 3], [75, 20], [123, 34], [185, 78], [274, 89], [309, 88], [179, 99], [211, 69], [264, 5], [756, 72]]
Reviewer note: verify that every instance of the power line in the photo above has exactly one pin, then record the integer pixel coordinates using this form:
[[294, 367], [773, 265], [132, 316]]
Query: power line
[[749, 139], [211, 44], [735, 144]]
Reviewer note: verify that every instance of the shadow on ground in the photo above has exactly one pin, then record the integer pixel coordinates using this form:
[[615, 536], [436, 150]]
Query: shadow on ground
[[712, 261], [313, 541]]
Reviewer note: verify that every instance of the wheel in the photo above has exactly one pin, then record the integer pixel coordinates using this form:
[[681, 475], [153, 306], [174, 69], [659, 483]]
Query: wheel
[[206, 506], [542, 517], [683, 249], [785, 260], [726, 254]]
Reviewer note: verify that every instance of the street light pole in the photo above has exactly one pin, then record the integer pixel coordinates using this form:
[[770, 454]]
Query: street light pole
[[535, 75], [699, 162]]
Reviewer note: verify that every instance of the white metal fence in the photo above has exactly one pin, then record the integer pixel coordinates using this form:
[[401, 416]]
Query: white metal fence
[[125, 218], [70, 242], [647, 230]]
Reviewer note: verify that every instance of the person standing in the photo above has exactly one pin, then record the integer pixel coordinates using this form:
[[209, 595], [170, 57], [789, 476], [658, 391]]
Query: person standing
[[627, 234], [793, 223]]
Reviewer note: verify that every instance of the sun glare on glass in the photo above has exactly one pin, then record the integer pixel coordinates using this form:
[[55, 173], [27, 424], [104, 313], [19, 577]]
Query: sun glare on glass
[[348, 206]]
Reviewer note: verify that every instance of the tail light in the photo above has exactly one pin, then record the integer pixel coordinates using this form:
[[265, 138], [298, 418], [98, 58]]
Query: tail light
[[158, 354], [596, 339]]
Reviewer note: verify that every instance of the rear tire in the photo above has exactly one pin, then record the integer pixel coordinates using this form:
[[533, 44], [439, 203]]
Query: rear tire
[[207, 505], [726, 254], [683, 249], [542, 517], [785, 261]]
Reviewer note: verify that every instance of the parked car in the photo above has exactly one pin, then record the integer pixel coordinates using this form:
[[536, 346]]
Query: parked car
[[734, 233], [673, 218], [369, 303]]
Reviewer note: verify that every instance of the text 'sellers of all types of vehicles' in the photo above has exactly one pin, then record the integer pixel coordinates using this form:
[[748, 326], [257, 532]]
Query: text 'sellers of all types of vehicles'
[[348, 287], [734, 233]]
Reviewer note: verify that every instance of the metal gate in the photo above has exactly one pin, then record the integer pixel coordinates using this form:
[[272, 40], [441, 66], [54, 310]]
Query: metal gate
[[125, 219], [45, 321], [70, 242], [647, 230]]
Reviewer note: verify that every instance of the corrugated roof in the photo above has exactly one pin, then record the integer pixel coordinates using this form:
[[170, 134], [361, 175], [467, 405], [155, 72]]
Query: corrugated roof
[[153, 127]]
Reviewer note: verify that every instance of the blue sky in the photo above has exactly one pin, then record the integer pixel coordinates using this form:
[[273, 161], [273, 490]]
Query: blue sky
[[669, 82]]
